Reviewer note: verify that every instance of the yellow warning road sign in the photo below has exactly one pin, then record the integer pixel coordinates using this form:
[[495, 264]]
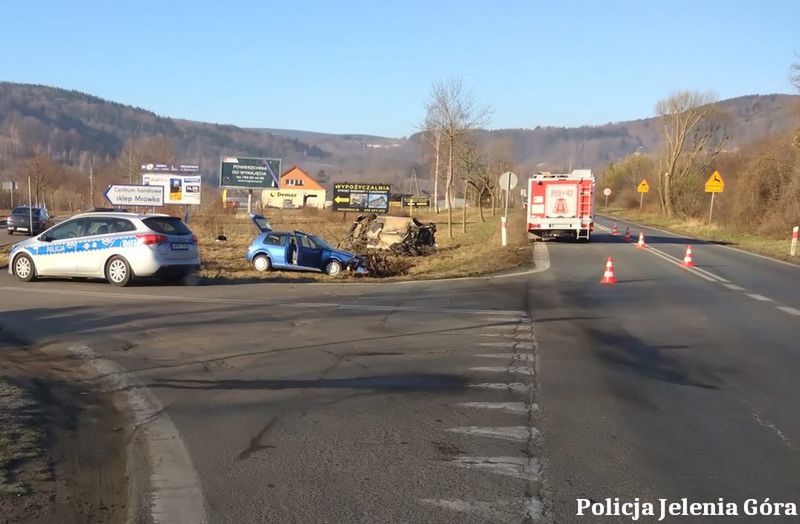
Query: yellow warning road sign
[[644, 187], [715, 184]]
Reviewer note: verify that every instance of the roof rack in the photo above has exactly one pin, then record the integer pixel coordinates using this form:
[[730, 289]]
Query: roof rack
[[106, 210]]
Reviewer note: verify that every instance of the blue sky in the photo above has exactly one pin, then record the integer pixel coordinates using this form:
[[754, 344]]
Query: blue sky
[[367, 67]]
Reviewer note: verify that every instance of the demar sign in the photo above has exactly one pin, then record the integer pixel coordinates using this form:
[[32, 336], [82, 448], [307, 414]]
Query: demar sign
[[361, 198]]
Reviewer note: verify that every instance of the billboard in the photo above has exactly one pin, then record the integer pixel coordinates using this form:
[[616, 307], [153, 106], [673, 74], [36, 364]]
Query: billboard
[[178, 188], [249, 173], [361, 198]]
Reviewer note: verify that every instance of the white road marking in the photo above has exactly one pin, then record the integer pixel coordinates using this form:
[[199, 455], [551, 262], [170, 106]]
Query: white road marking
[[790, 310], [534, 509], [508, 356], [517, 408], [734, 287], [520, 370], [516, 433], [526, 468], [760, 298], [176, 493], [515, 345], [514, 387], [495, 511]]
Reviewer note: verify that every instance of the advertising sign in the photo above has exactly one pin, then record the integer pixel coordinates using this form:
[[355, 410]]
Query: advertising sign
[[178, 189], [416, 201], [249, 173], [361, 198]]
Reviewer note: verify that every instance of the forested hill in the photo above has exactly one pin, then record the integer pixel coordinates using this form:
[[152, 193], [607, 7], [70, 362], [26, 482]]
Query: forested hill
[[73, 127]]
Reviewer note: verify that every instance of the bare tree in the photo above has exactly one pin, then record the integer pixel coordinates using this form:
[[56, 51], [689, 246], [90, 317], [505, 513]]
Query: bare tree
[[693, 137], [475, 173], [433, 133], [456, 112]]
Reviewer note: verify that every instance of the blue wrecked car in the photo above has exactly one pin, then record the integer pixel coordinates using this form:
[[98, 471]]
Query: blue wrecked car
[[298, 251]]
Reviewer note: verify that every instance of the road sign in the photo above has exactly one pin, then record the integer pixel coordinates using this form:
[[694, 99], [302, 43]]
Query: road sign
[[644, 187], [607, 191], [249, 173], [361, 198], [416, 201], [129, 195], [508, 181], [178, 188], [715, 184]]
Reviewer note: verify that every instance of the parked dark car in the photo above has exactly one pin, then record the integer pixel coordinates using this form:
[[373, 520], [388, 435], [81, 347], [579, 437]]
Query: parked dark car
[[19, 221]]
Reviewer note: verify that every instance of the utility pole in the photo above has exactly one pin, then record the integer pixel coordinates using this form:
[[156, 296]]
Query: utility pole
[[91, 183]]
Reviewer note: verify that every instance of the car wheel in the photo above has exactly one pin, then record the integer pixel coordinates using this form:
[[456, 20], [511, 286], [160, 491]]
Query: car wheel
[[118, 271], [10, 233], [262, 263], [333, 267], [24, 268]]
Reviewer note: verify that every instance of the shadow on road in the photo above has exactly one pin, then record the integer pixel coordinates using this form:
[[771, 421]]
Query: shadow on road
[[404, 382]]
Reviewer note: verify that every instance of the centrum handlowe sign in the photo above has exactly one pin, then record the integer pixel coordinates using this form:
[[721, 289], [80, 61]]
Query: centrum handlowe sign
[[361, 198], [249, 173]]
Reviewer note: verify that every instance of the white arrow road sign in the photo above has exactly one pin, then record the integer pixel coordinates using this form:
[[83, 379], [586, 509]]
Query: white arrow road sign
[[125, 195]]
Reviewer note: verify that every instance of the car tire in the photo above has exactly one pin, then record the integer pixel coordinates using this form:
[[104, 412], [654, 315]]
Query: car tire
[[333, 267], [118, 271], [262, 263], [10, 233], [24, 269]]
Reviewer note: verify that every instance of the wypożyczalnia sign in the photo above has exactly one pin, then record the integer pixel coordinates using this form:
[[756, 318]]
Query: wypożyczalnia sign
[[361, 198], [249, 173]]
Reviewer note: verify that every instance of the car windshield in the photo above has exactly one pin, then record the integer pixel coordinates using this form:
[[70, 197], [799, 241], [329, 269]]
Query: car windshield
[[167, 225], [319, 242]]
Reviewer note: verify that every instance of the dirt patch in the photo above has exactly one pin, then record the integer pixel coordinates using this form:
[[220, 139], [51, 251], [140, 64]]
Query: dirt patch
[[62, 444], [476, 252]]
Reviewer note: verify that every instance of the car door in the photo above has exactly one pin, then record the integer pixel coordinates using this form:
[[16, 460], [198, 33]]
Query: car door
[[93, 244], [56, 254], [309, 254]]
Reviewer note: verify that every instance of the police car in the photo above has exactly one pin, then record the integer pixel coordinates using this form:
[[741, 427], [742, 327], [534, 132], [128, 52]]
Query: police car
[[115, 246]]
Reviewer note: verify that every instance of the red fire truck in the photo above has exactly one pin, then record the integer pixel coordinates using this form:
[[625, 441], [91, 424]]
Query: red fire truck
[[561, 205]]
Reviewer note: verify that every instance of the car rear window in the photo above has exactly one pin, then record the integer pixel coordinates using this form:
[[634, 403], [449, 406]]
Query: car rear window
[[23, 210], [167, 225]]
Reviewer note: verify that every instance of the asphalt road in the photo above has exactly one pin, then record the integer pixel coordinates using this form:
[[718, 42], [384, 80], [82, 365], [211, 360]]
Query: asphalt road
[[483, 400]]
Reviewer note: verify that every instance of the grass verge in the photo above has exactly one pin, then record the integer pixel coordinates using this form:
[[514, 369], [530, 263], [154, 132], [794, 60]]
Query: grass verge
[[476, 252], [777, 248]]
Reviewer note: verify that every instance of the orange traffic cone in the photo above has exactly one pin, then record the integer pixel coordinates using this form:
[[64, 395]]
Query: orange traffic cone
[[640, 244], [687, 258], [608, 275], [616, 231], [627, 236]]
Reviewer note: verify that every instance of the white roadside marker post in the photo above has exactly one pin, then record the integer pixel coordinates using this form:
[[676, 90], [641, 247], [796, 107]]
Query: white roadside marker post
[[795, 233]]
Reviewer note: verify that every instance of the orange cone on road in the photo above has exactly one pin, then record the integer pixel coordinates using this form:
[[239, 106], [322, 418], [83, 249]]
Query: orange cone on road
[[616, 231], [687, 258], [608, 275], [640, 244], [627, 234]]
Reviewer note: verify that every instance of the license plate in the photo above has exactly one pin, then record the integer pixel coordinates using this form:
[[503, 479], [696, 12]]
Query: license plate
[[179, 247], [22, 229]]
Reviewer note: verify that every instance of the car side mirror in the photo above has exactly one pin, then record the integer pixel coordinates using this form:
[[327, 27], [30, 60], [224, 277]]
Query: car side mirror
[[45, 238]]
